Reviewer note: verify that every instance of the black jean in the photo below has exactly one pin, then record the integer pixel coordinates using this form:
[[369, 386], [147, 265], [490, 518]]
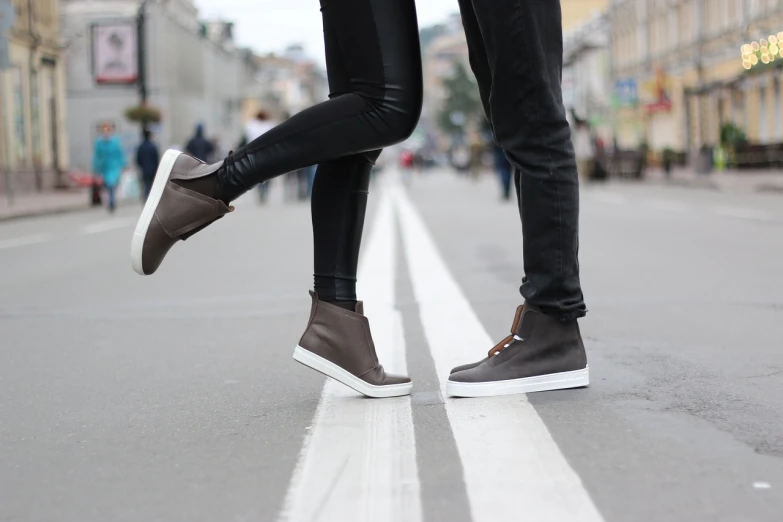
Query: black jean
[[375, 80], [516, 52]]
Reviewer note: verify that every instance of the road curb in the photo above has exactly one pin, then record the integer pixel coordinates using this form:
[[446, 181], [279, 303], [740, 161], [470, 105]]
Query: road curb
[[64, 209], [704, 185], [43, 212], [770, 189], [717, 186]]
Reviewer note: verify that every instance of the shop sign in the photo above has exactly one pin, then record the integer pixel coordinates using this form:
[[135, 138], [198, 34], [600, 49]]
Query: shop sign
[[626, 92]]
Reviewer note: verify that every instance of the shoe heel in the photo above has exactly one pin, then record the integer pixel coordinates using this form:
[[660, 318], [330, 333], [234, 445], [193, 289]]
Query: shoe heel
[[328, 368], [139, 234]]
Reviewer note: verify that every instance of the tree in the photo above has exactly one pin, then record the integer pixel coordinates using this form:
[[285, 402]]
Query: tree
[[732, 136], [428, 34], [143, 114], [462, 107]]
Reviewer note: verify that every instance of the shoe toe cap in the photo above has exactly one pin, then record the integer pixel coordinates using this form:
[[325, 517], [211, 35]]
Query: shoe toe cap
[[392, 378], [473, 374], [464, 367], [379, 377]]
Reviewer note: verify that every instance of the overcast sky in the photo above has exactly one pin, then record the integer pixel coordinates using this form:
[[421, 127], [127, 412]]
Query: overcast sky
[[270, 25]]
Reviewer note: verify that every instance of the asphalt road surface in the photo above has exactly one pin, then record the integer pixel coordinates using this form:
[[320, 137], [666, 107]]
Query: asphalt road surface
[[175, 398]]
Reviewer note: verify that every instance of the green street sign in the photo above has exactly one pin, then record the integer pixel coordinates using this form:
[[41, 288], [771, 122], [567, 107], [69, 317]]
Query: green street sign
[[7, 15]]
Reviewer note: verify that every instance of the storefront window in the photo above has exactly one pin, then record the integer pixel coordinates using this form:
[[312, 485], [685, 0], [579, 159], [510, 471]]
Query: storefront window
[[778, 101], [35, 116], [738, 108], [763, 126], [20, 136]]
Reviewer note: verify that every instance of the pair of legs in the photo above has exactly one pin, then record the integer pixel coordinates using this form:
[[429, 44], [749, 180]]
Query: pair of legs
[[374, 69], [503, 168], [374, 78], [148, 180], [111, 192]]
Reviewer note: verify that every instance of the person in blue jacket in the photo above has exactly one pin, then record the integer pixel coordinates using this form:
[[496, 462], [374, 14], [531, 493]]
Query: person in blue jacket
[[109, 162]]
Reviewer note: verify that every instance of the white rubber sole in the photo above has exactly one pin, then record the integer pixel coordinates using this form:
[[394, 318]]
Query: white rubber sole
[[539, 383], [319, 364], [161, 178]]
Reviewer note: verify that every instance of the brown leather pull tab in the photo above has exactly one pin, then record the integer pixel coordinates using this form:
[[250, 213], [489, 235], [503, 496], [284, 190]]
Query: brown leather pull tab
[[517, 318], [502, 344]]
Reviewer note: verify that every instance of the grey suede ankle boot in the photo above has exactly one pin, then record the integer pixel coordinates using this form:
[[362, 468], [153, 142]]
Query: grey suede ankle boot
[[338, 343], [514, 328], [184, 200], [543, 353]]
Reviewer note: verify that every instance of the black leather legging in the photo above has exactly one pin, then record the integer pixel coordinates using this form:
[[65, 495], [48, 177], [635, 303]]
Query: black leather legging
[[373, 63]]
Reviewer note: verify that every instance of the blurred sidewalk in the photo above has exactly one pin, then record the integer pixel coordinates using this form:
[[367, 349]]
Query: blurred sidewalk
[[40, 203], [744, 181]]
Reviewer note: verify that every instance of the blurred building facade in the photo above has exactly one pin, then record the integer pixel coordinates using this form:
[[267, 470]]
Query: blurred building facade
[[284, 83], [194, 72], [587, 84], [586, 54], [576, 12], [33, 139], [679, 75], [441, 54]]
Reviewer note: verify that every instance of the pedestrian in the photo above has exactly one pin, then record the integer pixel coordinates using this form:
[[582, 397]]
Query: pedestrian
[[302, 184], [584, 147], [460, 157], [503, 168], [254, 129], [375, 77], [476, 163], [311, 179], [406, 167], [198, 146], [147, 159], [108, 162]]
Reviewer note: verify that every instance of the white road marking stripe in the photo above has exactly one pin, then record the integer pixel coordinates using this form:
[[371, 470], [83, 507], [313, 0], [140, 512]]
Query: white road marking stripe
[[25, 240], [359, 462], [513, 468], [105, 226], [744, 213]]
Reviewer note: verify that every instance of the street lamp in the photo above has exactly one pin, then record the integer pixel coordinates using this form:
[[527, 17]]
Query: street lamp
[[141, 56]]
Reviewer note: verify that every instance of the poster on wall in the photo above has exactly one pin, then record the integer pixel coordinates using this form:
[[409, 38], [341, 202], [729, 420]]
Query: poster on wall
[[657, 93], [114, 53]]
